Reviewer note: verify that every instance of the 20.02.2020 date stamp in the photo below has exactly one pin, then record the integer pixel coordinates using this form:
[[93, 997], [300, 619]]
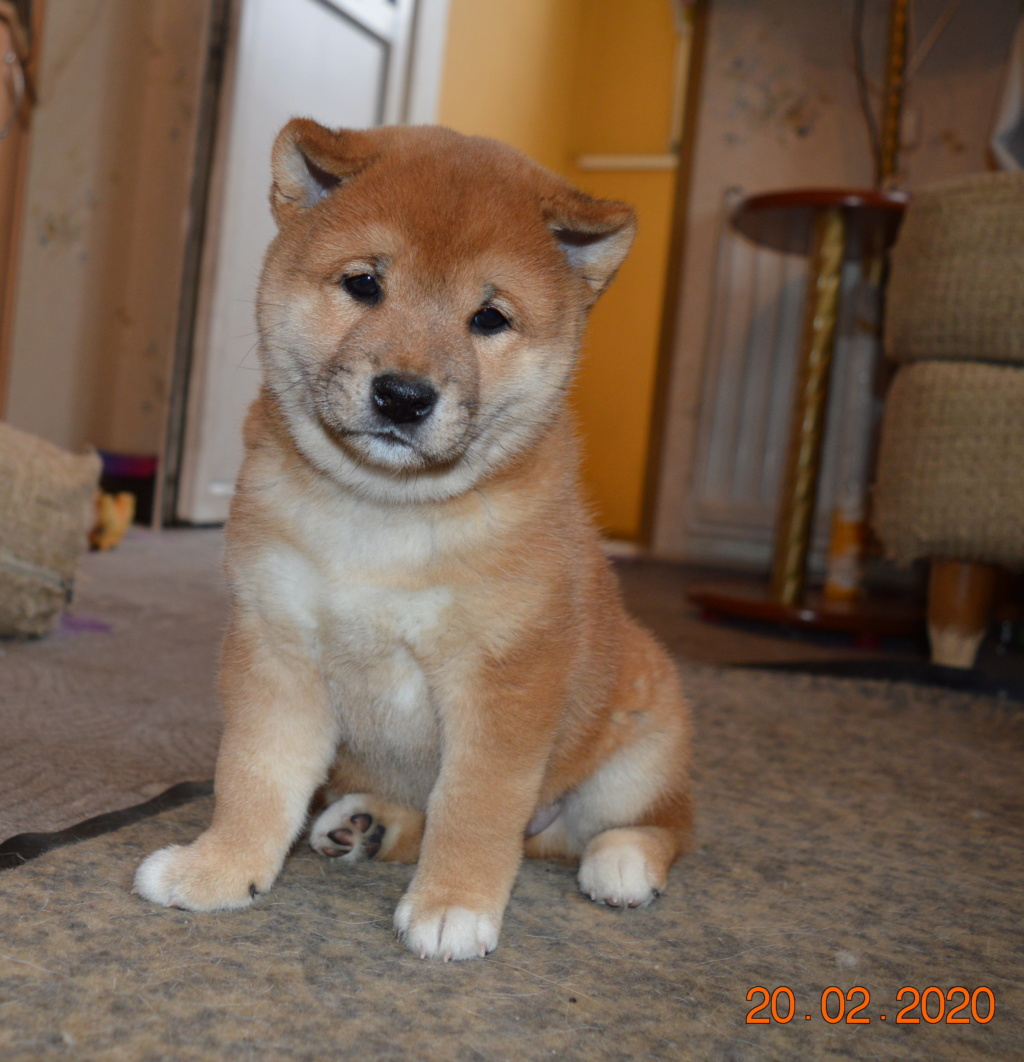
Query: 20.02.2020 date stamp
[[954, 1006]]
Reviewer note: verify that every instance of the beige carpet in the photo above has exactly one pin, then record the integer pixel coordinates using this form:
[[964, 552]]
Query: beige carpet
[[850, 834], [120, 703]]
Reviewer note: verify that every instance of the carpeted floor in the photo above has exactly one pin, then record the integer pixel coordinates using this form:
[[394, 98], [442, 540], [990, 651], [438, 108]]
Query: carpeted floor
[[120, 703], [849, 834]]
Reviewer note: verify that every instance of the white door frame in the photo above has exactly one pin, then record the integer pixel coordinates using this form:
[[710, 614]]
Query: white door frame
[[417, 36]]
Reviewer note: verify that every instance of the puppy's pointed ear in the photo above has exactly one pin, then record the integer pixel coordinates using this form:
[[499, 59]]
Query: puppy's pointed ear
[[309, 161], [595, 234]]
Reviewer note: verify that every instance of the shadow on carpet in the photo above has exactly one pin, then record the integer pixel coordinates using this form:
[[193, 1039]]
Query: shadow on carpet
[[849, 834]]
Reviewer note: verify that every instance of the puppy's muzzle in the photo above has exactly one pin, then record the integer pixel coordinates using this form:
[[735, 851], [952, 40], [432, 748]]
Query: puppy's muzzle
[[401, 398]]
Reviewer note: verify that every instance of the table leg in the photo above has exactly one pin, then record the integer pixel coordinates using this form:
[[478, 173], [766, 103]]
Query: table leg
[[800, 485], [959, 609]]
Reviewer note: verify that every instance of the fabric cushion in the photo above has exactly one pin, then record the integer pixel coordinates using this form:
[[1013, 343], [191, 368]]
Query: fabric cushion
[[46, 509], [956, 285], [950, 478]]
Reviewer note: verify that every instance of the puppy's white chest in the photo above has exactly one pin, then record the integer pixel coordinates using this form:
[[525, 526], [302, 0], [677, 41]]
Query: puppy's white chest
[[334, 602], [370, 642]]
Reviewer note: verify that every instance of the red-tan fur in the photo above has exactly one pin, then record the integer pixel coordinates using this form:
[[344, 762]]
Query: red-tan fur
[[434, 628]]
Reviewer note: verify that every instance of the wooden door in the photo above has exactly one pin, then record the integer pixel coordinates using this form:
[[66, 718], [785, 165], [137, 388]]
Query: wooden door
[[20, 25], [342, 62]]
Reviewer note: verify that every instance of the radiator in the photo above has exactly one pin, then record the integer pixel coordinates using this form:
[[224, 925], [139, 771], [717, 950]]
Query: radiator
[[752, 345]]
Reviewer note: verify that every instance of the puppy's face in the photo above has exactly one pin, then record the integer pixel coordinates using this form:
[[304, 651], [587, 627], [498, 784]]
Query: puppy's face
[[421, 308]]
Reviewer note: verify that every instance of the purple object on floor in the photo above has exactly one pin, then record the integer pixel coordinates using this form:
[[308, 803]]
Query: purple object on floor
[[72, 624]]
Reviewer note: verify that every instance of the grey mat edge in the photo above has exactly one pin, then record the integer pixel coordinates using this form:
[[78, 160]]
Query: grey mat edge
[[23, 847]]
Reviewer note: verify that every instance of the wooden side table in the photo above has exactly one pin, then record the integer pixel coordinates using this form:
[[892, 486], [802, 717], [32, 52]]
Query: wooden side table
[[830, 225]]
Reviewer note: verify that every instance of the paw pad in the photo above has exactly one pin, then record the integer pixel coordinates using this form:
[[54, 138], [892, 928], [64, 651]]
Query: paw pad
[[359, 837]]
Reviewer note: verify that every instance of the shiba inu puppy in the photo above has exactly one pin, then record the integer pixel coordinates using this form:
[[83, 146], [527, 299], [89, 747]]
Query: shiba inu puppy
[[422, 619]]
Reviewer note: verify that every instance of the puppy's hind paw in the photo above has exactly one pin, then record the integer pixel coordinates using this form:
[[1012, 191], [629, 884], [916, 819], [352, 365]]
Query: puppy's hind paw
[[348, 830], [615, 871]]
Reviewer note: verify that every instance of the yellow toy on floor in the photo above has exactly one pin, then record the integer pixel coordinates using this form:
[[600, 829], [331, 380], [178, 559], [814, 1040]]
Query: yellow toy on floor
[[114, 515]]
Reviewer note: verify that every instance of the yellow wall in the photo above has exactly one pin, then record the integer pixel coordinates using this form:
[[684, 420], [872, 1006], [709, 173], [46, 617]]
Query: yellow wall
[[623, 105], [558, 79], [509, 73], [614, 391]]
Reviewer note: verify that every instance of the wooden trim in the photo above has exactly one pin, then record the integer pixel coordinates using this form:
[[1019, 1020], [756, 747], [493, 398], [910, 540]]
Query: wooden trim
[[221, 15], [616, 163], [960, 596], [674, 278], [205, 207]]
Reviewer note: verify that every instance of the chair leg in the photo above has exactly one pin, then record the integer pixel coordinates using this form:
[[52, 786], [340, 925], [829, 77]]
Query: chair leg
[[959, 605]]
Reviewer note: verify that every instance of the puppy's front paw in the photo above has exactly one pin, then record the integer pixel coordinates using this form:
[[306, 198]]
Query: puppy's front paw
[[437, 931], [615, 871], [348, 829], [199, 878]]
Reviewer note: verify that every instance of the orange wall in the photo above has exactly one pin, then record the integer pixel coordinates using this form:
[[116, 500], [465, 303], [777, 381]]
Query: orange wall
[[559, 79], [509, 73], [623, 105]]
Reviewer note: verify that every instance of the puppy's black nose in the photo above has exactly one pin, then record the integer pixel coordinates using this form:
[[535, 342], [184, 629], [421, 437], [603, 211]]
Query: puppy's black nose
[[401, 398]]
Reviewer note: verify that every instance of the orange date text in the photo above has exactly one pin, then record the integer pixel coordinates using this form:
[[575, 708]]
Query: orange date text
[[931, 1005]]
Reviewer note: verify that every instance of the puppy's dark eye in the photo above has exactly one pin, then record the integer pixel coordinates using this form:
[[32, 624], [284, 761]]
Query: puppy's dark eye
[[363, 287], [487, 321]]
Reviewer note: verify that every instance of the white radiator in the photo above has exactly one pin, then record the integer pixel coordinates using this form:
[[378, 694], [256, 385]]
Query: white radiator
[[750, 360]]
